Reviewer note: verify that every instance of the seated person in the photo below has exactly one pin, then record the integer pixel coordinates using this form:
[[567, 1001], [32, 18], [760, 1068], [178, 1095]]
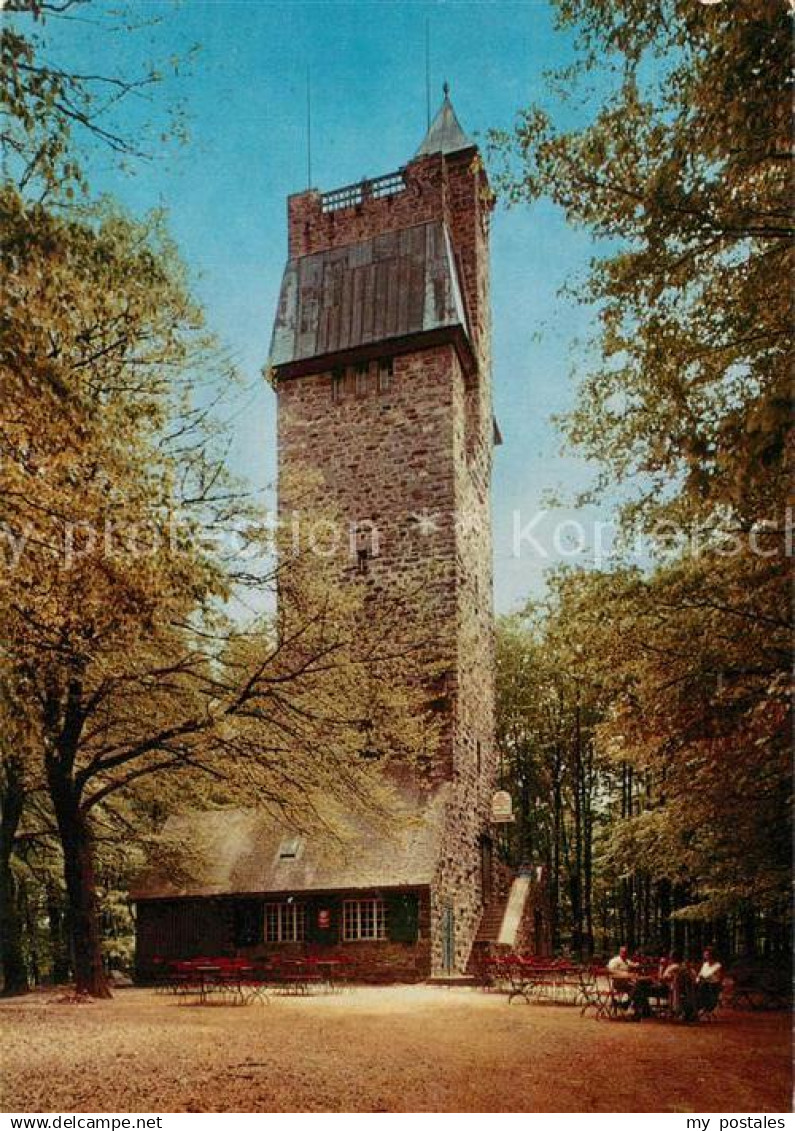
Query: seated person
[[683, 988], [625, 981], [709, 981], [621, 963]]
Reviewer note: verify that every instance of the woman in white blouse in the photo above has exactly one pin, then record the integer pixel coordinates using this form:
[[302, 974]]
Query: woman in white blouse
[[709, 981]]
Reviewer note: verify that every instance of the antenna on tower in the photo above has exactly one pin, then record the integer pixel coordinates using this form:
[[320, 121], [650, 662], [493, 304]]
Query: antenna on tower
[[308, 127], [427, 72]]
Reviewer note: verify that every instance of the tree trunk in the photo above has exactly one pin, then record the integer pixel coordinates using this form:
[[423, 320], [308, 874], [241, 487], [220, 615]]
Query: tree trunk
[[664, 903], [749, 934], [15, 975], [557, 811], [81, 894], [28, 917], [59, 944]]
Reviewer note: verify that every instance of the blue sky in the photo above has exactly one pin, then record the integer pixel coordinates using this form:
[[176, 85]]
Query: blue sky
[[225, 192]]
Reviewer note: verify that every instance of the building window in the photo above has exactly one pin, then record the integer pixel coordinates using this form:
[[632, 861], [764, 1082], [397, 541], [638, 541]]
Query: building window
[[364, 544], [285, 922], [360, 374], [363, 919], [290, 848], [385, 374], [337, 385]]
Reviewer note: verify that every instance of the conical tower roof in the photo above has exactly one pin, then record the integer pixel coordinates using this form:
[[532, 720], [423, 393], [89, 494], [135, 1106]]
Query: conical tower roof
[[445, 134]]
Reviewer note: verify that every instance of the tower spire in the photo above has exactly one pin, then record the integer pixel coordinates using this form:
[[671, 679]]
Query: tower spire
[[445, 134]]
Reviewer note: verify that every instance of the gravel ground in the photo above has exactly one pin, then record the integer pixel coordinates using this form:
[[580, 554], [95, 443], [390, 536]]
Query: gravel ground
[[393, 1049]]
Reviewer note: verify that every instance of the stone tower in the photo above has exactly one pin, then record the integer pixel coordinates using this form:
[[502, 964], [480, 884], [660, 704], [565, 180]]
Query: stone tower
[[381, 362]]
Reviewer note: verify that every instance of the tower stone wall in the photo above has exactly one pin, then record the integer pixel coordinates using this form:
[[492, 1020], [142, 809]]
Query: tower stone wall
[[402, 443]]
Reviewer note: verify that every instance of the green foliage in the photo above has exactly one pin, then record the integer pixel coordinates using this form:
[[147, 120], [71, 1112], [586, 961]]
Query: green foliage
[[685, 170], [547, 707], [53, 118], [142, 689], [681, 173]]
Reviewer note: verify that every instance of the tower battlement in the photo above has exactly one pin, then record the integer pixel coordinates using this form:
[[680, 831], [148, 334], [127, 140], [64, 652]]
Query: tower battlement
[[448, 187], [417, 192]]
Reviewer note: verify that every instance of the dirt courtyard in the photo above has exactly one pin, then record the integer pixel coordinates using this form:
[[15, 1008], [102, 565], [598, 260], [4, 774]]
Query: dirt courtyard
[[391, 1049]]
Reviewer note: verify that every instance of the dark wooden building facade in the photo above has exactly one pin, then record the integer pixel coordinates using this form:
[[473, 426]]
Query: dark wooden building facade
[[256, 889]]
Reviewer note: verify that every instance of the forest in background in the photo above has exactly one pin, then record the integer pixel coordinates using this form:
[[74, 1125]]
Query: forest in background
[[644, 711]]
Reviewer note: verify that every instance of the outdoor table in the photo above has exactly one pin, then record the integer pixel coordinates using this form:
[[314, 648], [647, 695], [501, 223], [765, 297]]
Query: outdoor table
[[519, 978], [234, 977], [622, 986], [655, 989], [296, 973], [327, 966], [207, 975], [557, 981]]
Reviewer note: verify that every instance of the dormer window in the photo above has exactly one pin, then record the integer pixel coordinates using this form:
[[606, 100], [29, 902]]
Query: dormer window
[[290, 848]]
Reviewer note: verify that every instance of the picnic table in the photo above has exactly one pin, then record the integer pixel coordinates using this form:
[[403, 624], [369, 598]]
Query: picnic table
[[555, 980], [592, 987], [237, 978], [614, 995], [251, 979]]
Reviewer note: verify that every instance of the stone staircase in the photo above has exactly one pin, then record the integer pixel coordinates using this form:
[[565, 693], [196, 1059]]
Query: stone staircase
[[500, 924], [486, 938], [491, 921]]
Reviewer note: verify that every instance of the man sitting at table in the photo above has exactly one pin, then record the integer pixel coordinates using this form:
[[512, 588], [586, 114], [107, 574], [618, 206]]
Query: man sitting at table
[[624, 973], [621, 963]]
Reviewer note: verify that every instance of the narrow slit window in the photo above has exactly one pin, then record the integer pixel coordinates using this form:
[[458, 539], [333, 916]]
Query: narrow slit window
[[361, 379], [337, 385], [385, 374], [364, 545]]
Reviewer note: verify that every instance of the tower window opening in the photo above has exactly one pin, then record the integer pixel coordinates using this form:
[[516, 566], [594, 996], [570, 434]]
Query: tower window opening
[[337, 385], [364, 544], [361, 373], [385, 374], [478, 756]]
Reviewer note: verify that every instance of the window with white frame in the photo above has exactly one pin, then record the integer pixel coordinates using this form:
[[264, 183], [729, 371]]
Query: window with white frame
[[363, 919], [285, 922]]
